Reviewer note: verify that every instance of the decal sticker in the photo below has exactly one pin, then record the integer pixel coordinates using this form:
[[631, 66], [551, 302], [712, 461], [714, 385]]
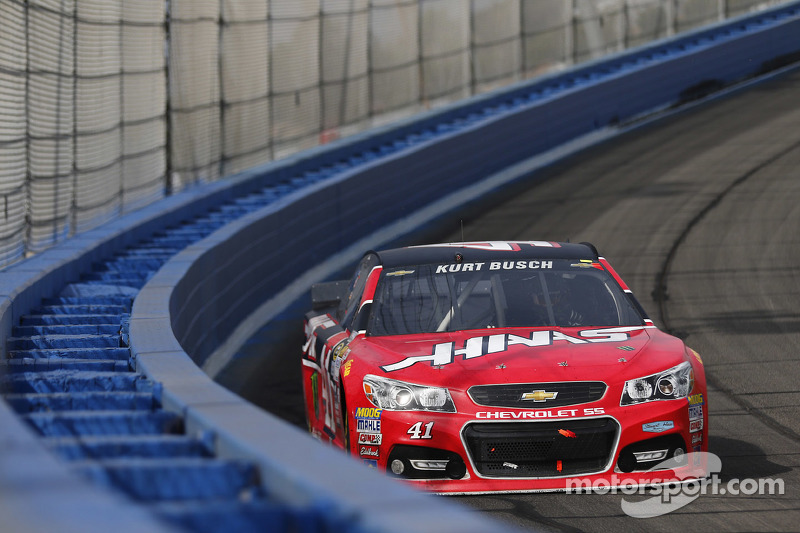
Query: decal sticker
[[341, 350], [368, 451], [695, 425], [347, 366], [520, 265], [695, 412], [568, 433], [626, 348], [459, 267], [371, 463], [696, 399], [368, 425], [368, 419], [315, 393], [548, 413], [539, 396], [588, 263], [369, 412], [446, 352], [373, 439], [696, 356], [400, 273], [417, 432], [658, 427], [493, 245], [697, 438], [337, 356], [494, 265]]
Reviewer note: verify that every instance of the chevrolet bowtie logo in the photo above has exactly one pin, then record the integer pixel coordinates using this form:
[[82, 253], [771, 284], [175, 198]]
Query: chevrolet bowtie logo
[[539, 396]]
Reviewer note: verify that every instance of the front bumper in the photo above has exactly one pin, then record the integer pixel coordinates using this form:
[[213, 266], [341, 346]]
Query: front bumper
[[506, 450]]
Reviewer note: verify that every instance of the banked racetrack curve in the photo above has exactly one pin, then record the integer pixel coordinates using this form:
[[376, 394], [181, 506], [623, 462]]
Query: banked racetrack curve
[[699, 212]]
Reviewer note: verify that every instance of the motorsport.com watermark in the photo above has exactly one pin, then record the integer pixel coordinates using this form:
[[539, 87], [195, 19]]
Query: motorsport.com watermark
[[702, 478]]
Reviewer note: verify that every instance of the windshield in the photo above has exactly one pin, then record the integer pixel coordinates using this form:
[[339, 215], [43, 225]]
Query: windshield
[[530, 293]]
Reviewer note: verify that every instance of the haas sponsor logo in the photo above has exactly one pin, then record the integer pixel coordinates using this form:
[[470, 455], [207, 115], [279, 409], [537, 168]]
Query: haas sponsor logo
[[445, 353]]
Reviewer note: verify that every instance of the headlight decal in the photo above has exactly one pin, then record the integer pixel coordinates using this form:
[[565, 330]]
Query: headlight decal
[[672, 384], [397, 395]]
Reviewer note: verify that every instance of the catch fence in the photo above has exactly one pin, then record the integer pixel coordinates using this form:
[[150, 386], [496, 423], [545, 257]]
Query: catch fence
[[108, 105]]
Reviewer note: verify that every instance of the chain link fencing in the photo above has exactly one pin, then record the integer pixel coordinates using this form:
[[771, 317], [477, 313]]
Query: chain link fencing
[[108, 105]]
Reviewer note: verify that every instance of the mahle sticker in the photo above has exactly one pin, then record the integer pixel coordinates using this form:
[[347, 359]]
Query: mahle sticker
[[368, 425]]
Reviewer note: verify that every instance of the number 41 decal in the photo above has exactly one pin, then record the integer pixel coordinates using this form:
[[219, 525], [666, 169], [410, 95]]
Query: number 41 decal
[[416, 431]]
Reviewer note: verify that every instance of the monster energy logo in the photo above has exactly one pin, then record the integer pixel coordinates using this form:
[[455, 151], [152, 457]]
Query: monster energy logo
[[314, 393]]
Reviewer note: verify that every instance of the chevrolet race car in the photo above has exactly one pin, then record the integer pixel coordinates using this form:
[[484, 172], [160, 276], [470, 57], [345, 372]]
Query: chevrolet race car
[[500, 366]]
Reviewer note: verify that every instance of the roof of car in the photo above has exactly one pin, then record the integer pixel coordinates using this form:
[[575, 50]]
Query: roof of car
[[485, 251]]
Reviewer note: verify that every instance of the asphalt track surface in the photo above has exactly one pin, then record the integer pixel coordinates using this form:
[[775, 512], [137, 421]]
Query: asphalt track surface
[[700, 214]]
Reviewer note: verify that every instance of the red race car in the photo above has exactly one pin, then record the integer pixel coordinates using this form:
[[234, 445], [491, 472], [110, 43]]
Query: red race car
[[500, 366]]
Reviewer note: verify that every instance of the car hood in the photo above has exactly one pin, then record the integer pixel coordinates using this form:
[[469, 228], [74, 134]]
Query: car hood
[[465, 358]]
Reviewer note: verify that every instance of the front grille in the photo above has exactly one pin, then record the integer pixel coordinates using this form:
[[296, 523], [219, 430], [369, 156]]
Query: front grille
[[541, 449], [566, 393]]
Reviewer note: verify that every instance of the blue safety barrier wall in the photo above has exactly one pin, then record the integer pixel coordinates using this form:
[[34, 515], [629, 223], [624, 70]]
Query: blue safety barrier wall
[[349, 192], [298, 213]]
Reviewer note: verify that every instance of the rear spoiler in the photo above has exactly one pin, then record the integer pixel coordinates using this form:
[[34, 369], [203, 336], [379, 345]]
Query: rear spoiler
[[328, 294]]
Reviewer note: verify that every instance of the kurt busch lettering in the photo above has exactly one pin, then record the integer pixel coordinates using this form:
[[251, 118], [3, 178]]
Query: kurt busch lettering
[[446, 352], [494, 265]]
